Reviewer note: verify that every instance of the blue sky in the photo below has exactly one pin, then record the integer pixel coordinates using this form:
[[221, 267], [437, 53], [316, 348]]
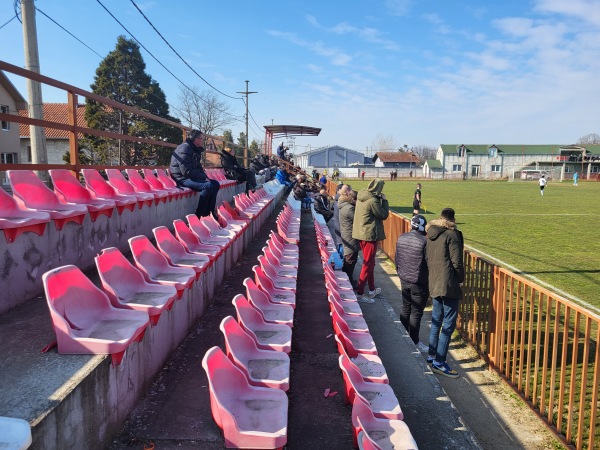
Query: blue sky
[[417, 72]]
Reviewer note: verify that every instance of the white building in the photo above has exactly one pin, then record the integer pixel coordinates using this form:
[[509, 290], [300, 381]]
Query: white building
[[333, 157]]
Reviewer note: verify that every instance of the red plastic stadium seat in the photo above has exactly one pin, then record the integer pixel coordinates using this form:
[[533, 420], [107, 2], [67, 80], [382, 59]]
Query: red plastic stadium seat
[[103, 190], [176, 253], [267, 368], [191, 242], [355, 322], [282, 296], [379, 433], [379, 396], [268, 336], [370, 366], [126, 287], [271, 312], [70, 190], [156, 268], [354, 342], [30, 192], [204, 235], [169, 183], [84, 320], [142, 185], [250, 416], [279, 281], [124, 187], [151, 179], [15, 220]]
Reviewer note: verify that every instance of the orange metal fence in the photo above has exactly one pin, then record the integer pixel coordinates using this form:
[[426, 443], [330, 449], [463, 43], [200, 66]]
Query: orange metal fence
[[544, 346]]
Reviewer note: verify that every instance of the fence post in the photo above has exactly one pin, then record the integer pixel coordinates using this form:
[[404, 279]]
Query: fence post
[[493, 317]]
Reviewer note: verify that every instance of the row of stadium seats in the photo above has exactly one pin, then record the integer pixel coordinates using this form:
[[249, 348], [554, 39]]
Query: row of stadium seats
[[377, 419], [247, 382]]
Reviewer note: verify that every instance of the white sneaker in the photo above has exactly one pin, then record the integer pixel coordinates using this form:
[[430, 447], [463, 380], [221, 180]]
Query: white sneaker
[[422, 347], [375, 293], [365, 299]]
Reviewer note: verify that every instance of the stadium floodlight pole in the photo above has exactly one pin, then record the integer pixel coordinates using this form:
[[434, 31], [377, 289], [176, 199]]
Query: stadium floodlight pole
[[246, 146]]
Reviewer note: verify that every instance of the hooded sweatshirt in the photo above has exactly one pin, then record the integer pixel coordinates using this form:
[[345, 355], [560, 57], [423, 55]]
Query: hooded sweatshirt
[[370, 212], [445, 258]]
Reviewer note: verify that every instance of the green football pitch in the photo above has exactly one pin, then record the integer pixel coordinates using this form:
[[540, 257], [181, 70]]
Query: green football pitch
[[552, 239]]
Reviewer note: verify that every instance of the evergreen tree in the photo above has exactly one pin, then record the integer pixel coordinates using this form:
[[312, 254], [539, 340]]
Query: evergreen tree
[[121, 76]]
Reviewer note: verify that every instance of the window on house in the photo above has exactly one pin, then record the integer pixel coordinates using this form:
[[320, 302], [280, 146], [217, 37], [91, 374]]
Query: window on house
[[5, 123], [29, 153], [462, 151], [568, 169], [456, 167], [495, 167], [595, 169], [493, 152]]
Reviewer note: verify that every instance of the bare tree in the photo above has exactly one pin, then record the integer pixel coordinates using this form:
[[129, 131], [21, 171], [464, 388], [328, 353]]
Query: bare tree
[[589, 139], [203, 110], [385, 143], [424, 152]]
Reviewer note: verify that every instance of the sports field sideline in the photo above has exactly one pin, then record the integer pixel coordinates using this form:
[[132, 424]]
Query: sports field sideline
[[553, 239]]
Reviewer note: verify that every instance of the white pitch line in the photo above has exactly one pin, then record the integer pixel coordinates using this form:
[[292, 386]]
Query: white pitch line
[[530, 214], [538, 281]]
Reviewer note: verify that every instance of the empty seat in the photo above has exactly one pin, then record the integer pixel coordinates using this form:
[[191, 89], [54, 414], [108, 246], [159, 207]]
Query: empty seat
[[279, 263], [355, 322], [204, 234], [15, 220], [176, 253], [151, 179], [250, 416], [267, 368], [126, 287], [124, 187], [191, 242], [379, 396], [103, 190], [359, 342], [286, 248], [70, 190], [268, 336], [379, 433], [272, 251], [237, 215], [156, 268], [30, 192], [169, 183], [283, 296], [370, 366], [141, 185], [280, 282], [83, 319], [271, 312], [15, 434]]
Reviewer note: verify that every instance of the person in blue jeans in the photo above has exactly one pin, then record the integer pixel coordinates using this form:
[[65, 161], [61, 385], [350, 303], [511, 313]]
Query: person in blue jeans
[[186, 169], [444, 250]]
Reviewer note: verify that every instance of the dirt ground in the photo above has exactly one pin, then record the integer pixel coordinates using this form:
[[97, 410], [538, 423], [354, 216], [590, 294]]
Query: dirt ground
[[499, 418]]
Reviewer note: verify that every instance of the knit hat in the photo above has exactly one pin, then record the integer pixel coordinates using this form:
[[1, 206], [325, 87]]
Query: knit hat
[[418, 223], [376, 186]]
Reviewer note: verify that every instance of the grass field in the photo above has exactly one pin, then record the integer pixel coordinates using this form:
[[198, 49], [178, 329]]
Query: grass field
[[554, 238]]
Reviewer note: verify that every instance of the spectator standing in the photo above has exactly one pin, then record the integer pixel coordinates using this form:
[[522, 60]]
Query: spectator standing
[[336, 212], [371, 210], [542, 184], [324, 206], [362, 175], [347, 202], [411, 266], [315, 174], [417, 200], [281, 151], [444, 252], [186, 169], [575, 178], [323, 180]]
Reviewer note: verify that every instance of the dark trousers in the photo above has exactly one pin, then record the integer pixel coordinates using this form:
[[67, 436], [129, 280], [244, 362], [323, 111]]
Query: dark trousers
[[348, 266], [208, 195], [414, 299]]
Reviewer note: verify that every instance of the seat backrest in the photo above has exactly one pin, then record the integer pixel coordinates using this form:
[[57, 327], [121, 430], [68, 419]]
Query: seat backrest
[[119, 277], [147, 256], [165, 179], [68, 187], [119, 182], [261, 279], [254, 294], [152, 180], [72, 296], [365, 441], [362, 411], [29, 191], [340, 321], [248, 317], [237, 341], [96, 183], [351, 371], [137, 181], [168, 244], [226, 380]]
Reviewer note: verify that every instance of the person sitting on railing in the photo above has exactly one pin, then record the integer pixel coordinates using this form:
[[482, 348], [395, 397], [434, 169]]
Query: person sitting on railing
[[235, 171], [260, 168], [186, 169]]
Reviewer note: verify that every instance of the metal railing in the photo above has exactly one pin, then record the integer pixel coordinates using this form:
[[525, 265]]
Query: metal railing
[[544, 346]]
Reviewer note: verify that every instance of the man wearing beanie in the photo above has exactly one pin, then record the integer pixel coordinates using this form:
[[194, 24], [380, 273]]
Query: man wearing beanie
[[370, 211], [411, 265], [186, 169], [444, 252]]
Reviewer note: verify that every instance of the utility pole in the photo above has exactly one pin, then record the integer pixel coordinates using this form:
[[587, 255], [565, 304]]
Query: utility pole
[[34, 88], [246, 146]]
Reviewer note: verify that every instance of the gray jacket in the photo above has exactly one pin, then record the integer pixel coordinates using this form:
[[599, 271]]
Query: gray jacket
[[346, 210]]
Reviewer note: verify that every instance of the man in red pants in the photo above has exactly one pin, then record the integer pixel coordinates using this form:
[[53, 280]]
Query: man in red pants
[[371, 210]]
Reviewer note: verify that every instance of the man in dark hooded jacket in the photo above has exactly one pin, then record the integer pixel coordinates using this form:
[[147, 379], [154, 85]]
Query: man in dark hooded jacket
[[411, 265], [446, 273], [186, 169]]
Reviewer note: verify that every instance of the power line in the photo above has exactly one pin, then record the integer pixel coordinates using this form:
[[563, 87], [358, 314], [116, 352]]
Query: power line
[[8, 21], [178, 55]]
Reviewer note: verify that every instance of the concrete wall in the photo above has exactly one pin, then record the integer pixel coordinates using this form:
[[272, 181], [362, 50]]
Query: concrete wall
[[24, 261]]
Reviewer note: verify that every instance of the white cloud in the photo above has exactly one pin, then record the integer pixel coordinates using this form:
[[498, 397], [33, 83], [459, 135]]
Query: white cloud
[[336, 56], [583, 10], [398, 7], [367, 34]]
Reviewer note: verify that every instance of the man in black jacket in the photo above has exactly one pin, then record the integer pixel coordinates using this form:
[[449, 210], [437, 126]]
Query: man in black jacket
[[411, 265], [186, 169], [235, 171]]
